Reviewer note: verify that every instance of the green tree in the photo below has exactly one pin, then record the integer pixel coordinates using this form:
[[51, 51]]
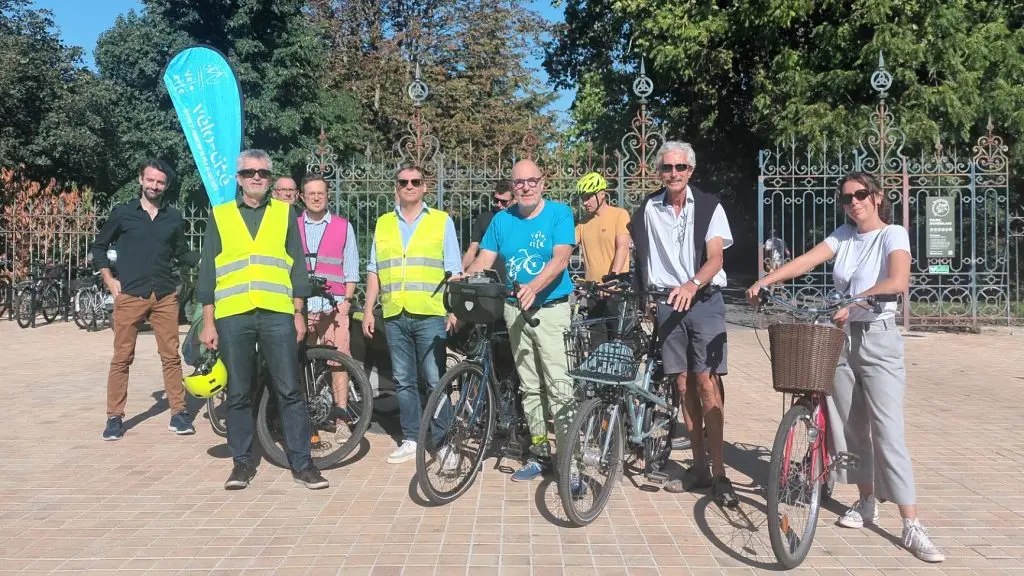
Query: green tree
[[472, 55], [736, 77], [281, 60], [52, 110]]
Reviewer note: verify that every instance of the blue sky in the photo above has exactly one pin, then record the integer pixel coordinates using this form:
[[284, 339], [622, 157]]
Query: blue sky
[[82, 21]]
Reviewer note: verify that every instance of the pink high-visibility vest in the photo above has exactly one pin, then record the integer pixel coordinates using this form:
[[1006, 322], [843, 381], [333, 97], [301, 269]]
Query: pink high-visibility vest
[[330, 255]]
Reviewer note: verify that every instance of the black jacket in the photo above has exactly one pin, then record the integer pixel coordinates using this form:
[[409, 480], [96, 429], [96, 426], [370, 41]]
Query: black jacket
[[704, 208]]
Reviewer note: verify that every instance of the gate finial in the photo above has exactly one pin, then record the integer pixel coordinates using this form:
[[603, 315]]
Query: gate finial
[[881, 79]]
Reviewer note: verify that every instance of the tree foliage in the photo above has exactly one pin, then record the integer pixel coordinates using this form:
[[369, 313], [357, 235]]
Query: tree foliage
[[734, 77], [52, 118], [472, 55], [281, 61]]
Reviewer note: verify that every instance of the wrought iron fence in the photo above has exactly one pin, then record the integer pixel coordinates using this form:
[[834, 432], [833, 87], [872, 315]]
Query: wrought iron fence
[[362, 188], [963, 251]]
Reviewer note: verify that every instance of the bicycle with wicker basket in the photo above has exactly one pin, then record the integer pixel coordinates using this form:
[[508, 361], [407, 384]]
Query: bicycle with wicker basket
[[804, 356]]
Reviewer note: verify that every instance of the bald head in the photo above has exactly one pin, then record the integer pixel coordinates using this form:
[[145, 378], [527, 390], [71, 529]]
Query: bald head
[[527, 185]]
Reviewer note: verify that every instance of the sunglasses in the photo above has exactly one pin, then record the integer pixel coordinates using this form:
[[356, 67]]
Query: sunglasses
[[668, 168], [415, 182], [251, 172], [502, 201], [861, 195]]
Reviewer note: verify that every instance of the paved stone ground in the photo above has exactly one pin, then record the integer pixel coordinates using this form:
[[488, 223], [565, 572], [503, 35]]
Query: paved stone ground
[[153, 503]]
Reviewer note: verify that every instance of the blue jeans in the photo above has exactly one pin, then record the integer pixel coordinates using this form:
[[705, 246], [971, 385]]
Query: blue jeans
[[417, 345], [275, 333]]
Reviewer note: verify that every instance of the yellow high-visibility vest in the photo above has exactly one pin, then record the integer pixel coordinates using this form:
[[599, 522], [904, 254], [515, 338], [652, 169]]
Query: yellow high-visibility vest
[[253, 272], [408, 276]]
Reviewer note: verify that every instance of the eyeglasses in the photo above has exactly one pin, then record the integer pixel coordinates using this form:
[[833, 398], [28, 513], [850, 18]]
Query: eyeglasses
[[415, 182], [251, 172], [523, 182], [288, 190], [502, 201], [861, 195], [668, 168]]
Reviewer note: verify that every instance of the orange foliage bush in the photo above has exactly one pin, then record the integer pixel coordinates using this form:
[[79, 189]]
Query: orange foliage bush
[[43, 222]]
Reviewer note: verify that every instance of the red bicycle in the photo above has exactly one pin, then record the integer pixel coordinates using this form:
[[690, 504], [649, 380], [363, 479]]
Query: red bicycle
[[804, 356]]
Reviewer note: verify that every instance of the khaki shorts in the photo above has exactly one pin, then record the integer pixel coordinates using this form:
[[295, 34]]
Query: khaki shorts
[[331, 328]]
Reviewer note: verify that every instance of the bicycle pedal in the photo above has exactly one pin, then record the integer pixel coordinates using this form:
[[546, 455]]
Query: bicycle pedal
[[656, 477], [847, 461]]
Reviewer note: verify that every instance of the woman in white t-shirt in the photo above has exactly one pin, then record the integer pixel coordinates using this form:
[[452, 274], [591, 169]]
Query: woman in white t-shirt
[[871, 257]]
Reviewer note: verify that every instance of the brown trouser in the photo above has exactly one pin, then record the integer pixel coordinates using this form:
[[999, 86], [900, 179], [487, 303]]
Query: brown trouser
[[163, 317]]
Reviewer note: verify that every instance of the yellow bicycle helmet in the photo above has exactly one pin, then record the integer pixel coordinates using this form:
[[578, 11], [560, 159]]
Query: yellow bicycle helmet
[[591, 183], [209, 377]]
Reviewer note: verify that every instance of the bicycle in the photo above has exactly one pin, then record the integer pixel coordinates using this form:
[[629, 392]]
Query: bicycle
[[622, 377], [43, 292], [330, 442], [92, 303], [459, 422], [804, 356]]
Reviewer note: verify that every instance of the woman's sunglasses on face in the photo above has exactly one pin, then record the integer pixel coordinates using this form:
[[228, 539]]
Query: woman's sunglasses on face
[[861, 195]]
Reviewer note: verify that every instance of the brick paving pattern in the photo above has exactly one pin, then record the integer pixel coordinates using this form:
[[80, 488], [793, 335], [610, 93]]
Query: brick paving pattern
[[153, 503]]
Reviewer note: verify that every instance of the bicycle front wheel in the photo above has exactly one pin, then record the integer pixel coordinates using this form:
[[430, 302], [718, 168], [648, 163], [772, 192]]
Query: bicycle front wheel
[[83, 311], [456, 428], [216, 411], [51, 302], [590, 466], [794, 487], [25, 307]]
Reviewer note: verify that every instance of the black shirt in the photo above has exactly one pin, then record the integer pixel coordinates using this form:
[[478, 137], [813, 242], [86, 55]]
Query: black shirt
[[146, 248], [479, 228], [252, 217]]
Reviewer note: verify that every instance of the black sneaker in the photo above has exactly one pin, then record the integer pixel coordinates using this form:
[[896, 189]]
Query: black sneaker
[[241, 474], [181, 424], [311, 478], [721, 487], [114, 429]]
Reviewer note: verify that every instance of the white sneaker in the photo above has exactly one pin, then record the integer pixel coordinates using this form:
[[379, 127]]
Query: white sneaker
[[916, 540], [861, 509], [404, 453], [448, 456]]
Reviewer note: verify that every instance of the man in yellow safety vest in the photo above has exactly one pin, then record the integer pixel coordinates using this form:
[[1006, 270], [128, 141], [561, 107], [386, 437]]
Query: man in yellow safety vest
[[413, 247], [252, 284]]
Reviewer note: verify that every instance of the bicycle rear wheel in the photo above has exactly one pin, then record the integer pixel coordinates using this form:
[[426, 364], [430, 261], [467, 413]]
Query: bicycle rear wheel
[[593, 457], [455, 431], [794, 487], [330, 442]]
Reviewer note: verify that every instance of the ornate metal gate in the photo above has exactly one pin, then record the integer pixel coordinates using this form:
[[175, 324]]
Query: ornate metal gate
[[960, 271], [363, 189]]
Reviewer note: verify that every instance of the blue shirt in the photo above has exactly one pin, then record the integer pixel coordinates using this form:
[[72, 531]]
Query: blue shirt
[[452, 254], [527, 245], [350, 258]]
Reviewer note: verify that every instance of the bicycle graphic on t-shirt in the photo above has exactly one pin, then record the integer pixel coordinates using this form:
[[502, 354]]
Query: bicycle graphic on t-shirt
[[531, 263]]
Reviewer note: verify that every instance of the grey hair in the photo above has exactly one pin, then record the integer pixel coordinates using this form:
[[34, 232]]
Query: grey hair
[[675, 146], [255, 154]]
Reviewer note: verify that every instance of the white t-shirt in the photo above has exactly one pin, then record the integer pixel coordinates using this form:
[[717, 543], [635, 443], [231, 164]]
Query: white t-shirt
[[862, 260], [670, 259]]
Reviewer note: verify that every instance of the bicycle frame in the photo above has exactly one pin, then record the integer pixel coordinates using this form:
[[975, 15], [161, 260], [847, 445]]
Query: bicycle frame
[[820, 445]]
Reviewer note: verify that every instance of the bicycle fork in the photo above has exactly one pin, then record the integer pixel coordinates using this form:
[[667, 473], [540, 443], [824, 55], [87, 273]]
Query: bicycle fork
[[594, 456]]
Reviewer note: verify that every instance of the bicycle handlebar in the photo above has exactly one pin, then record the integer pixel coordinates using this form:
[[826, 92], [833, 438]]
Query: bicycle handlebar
[[533, 322], [875, 302]]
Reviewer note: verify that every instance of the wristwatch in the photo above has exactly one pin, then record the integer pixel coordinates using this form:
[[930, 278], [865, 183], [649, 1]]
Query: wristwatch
[[695, 281]]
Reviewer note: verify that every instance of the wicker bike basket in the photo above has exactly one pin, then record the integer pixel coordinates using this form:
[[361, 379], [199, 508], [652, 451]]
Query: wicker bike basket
[[804, 356]]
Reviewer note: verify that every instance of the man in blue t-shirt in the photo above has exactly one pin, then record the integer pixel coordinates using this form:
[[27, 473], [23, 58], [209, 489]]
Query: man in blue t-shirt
[[534, 238]]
